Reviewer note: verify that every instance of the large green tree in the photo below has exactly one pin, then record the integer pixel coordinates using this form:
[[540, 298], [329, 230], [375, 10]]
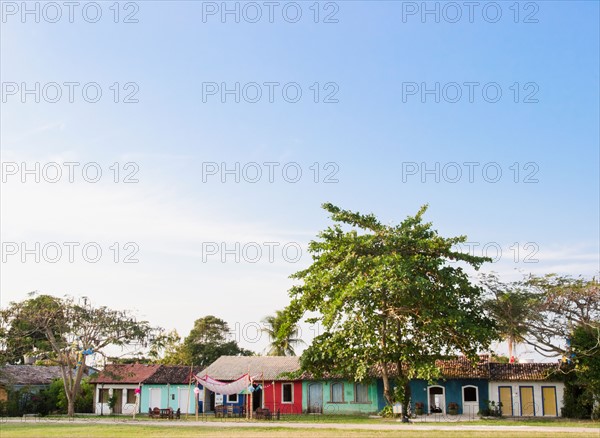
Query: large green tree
[[584, 358], [387, 297], [64, 330], [280, 345], [208, 340]]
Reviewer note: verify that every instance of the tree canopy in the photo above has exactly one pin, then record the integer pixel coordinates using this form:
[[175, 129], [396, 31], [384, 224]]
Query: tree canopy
[[563, 304], [64, 331], [387, 294], [512, 306], [208, 340], [280, 345]]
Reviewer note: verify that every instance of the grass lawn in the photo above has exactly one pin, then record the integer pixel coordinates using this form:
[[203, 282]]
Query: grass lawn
[[41, 429], [364, 419]]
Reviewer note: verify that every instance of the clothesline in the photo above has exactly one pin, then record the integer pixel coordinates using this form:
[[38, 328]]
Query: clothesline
[[227, 388]]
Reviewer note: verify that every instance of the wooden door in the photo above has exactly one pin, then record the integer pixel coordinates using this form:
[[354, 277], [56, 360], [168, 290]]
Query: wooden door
[[505, 396], [527, 402], [549, 401]]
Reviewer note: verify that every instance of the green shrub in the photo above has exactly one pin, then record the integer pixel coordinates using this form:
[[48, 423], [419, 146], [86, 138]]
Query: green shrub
[[387, 412]]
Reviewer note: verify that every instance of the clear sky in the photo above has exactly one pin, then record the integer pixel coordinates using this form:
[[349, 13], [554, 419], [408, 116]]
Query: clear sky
[[410, 109]]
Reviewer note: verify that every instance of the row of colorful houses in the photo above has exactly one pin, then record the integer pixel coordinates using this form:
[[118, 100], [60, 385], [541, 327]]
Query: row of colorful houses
[[139, 387], [524, 389]]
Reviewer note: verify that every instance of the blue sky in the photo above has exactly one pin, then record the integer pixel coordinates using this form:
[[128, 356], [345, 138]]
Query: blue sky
[[370, 135]]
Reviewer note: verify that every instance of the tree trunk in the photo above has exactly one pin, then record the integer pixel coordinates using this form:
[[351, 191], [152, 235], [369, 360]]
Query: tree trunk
[[387, 391], [406, 400], [71, 406]]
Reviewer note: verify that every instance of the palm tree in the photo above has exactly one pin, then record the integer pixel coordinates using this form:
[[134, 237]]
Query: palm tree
[[512, 308], [280, 345]]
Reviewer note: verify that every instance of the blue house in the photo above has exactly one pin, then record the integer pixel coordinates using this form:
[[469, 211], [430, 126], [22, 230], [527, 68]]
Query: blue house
[[461, 383]]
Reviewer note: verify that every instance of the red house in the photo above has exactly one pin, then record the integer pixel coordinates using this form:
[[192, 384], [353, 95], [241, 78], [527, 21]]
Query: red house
[[271, 388]]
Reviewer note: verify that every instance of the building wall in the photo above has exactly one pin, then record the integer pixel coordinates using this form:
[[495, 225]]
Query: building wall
[[169, 397], [538, 399], [276, 404], [348, 406], [103, 408], [453, 392]]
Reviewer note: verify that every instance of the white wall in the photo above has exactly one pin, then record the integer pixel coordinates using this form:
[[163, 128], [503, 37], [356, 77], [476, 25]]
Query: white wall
[[126, 409], [537, 394]]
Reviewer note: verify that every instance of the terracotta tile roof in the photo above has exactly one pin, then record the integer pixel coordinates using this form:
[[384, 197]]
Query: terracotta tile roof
[[522, 371], [29, 374], [269, 367], [172, 374], [462, 368], [130, 373], [456, 368]]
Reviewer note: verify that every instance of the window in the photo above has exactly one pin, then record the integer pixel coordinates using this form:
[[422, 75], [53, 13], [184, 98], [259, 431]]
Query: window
[[287, 393], [232, 398], [131, 396], [361, 393], [337, 392], [103, 397], [469, 393]]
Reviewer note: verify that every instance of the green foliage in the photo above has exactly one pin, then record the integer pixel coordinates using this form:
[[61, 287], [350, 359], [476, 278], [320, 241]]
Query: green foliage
[[112, 402], [282, 344], [563, 303], [511, 306], [387, 295], [582, 373], [387, 412], [22, 334], [585, 354], [58, 329], [575, 405], [208, 340], [492, 409], [25, 401]]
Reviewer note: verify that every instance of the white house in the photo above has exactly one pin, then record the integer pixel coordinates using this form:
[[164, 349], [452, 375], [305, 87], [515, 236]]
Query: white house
[[527, 389], [120, 381]]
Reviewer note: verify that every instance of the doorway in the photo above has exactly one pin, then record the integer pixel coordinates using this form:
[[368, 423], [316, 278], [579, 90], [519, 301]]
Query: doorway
[[436, 398], [183, 399], [118, 394], [527, 401], [315, 398], [505, 396], [256, 398]]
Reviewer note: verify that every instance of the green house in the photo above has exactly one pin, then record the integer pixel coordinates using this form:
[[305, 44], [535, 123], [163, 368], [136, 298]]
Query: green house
[[337, 396], [170, 387]]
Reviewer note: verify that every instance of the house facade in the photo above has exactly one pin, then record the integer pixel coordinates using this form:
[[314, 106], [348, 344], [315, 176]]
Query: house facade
[[271, 388], [461, 383], [527, 389], [123, 382], [337, 396], [524, 389], [169, 387]]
